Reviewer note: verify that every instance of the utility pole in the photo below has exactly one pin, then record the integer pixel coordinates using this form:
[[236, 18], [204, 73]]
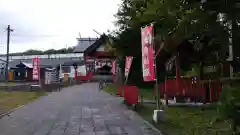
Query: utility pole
[[9, 30]]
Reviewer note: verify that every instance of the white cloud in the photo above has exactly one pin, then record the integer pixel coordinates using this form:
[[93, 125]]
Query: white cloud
[[61, 20]]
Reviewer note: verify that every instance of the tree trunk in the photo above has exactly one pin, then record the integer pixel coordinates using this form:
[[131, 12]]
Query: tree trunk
[[119, 79]]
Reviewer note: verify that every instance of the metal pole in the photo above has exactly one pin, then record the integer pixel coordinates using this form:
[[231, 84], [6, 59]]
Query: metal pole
[[165, 94], [155, 69], [125, 82]]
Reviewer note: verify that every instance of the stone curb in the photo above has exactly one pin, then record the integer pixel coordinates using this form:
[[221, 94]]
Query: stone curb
[[147, 123], [4, 114]]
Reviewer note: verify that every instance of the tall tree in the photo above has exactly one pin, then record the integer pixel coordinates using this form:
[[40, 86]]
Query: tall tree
[[175, 21], [230, 16]]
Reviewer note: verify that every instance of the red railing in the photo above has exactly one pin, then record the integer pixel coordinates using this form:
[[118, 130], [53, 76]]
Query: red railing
[[189, 89]]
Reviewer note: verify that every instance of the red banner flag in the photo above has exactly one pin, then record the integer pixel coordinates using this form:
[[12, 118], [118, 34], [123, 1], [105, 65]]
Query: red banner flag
[[114, 67], [36, 69], [128, 64], [147, 53]]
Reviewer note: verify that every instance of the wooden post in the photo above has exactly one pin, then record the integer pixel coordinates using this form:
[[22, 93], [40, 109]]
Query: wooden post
[[165, 93], [177, 71], [203, 93], [210, 90], [75, 75]]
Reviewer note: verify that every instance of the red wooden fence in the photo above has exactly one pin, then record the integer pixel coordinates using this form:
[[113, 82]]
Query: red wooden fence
[[189, 89]]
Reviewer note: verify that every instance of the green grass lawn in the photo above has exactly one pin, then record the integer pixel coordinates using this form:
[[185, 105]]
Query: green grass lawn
[[9, 84], [145, 93], [188, 121], [182, 120], [110, 88], [11, 100]]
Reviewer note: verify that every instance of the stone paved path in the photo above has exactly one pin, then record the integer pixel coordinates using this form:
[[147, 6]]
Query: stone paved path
[[77, 110]]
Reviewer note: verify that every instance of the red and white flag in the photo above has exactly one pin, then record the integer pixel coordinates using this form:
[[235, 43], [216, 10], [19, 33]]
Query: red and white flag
[[114, 67], [36, 69], [128, 64], [147, 53]]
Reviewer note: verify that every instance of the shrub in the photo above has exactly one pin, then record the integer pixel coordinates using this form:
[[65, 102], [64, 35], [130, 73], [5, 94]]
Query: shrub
[[229, 105]]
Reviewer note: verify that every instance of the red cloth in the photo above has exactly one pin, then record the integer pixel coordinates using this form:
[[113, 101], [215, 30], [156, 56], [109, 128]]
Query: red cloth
[[131, 94]]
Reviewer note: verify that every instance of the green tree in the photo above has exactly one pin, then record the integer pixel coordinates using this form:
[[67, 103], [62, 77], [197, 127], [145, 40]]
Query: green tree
[[230, 16], [32, 52], [50, 51], [175, 21], [229, 106]]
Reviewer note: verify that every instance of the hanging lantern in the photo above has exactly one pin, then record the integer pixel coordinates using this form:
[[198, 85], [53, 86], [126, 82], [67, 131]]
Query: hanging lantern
[[75, 66]]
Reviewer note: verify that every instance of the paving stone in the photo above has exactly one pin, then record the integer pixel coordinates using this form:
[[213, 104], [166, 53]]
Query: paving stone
[[86, 114], [102, 133], [88, 122], [57, 131], [98, 120], [86, 129], [58, 128], [94, 110], [100, 128], [75, 118], [115, 122], [116, 130], [147, 130], [73, 126], [99, 125], [96, 117], [44, 128], [71, 132], [132, 131], [88, 133]]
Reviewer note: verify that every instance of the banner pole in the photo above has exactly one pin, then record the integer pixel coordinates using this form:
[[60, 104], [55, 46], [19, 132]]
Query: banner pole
[[155, 69], [39, 73], [125, 82]]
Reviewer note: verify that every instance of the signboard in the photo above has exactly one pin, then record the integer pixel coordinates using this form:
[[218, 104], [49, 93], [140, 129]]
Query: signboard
[[90, 60], [51, 76], [147, 53], [114, 67], [36, 69], [101, 62], [128, 65], [209, 69]]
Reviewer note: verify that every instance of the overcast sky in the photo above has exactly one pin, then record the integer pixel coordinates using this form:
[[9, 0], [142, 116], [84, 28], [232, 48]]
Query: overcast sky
[[45, 24]]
